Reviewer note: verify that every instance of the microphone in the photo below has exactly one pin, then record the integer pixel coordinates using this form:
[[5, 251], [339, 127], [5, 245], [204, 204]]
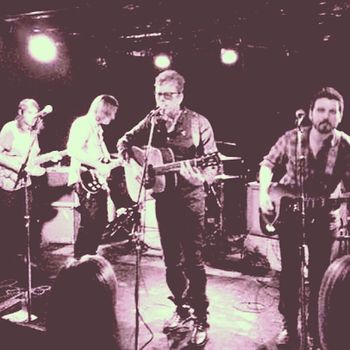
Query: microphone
[[299, 115], [156, 112], [46, 110]]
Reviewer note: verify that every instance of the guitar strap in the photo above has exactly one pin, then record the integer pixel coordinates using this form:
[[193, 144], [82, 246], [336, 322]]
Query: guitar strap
[[195, 132], [106, 156], [333, 153], [103, 147]]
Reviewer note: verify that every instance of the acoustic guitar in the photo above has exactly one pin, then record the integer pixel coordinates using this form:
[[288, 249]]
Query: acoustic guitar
[[161, 170]]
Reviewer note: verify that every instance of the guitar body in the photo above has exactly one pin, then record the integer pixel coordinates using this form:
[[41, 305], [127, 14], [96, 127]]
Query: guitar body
[[134, 168], [92, 181], [162, 169], [11, 165], [286, 202]]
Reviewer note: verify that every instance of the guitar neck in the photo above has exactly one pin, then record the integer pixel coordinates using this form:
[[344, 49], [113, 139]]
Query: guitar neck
[[172, 167], [322, 202], [46, 157]]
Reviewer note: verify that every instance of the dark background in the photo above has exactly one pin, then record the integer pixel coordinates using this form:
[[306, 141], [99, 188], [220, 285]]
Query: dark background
[[288, 49]]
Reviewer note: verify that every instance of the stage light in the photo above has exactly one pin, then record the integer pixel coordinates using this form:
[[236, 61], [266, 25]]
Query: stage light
[[42, 48], [228, 56], [162, 61]]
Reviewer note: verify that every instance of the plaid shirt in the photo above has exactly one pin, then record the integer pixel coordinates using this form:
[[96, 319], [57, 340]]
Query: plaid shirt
[[323, 173]]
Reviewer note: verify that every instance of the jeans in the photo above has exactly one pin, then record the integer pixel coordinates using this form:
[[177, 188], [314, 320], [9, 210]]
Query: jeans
[[181, 226], [93, 220], [319, 240]]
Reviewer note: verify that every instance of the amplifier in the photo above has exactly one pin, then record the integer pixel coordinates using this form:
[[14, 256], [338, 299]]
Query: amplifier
[[63, 222]]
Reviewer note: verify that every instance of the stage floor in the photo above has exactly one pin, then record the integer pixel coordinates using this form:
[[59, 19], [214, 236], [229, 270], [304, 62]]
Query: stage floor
[[243, 308]]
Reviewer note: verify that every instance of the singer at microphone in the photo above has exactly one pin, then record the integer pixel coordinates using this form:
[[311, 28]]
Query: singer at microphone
[[156, 112], [45, 111]]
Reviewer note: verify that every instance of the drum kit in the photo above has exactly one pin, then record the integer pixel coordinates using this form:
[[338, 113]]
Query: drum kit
[[223, 217], [223, 204]]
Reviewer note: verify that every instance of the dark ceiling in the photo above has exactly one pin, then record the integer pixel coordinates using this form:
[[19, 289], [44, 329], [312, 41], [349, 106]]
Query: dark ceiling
[[290, 48], [291, 26]]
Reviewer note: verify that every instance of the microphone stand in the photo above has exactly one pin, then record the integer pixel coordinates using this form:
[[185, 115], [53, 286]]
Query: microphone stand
[[136, 226], [22, 174], [303, 248]]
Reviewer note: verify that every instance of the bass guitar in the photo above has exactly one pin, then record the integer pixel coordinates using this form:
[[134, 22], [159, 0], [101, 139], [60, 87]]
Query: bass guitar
[[11, 165], [161, 163], [286, 201]]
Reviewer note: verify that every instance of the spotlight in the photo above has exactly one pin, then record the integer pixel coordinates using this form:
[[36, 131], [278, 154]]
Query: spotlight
[[228, 56], [162, 61], [42, 48]]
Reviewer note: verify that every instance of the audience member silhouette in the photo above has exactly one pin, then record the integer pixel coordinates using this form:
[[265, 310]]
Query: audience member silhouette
[[334, 306], [82, 306]]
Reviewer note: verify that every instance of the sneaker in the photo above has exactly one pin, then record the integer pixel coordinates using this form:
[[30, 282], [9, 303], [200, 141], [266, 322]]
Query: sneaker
[[199, 335], [181, 316], [286, 336]]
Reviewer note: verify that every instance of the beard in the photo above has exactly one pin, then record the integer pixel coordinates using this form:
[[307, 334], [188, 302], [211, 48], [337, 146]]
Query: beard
[[324, 127]]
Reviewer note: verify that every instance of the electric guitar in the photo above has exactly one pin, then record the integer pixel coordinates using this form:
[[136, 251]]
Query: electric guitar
[[92, 181], [11, 165], [285, 201], [161, 170]]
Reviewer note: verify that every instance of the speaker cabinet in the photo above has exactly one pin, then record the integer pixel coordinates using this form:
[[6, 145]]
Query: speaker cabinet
[[61, 221], [63, 227]]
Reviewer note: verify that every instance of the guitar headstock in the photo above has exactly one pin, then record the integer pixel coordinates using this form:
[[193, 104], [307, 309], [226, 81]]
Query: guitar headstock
[[211, 159]]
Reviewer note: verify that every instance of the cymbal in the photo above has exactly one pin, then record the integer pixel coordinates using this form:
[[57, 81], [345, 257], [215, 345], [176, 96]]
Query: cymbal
[[226, 143], [224, 158], [223, 177]]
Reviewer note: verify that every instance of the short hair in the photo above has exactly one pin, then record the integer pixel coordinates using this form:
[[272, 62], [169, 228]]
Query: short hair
[[331, 94], [107, 100], [170, 75], [82, 305], [334, 305]]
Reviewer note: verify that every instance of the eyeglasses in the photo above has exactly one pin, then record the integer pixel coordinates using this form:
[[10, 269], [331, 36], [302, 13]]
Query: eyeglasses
[[167, 95]]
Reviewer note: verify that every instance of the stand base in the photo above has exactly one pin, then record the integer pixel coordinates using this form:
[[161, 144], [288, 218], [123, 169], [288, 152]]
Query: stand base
[[19, 316]]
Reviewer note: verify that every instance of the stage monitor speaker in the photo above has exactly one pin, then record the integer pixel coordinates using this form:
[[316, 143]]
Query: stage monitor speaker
[[63, 227]]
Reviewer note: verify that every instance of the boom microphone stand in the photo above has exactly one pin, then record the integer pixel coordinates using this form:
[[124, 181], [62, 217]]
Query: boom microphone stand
[[303, 248]]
